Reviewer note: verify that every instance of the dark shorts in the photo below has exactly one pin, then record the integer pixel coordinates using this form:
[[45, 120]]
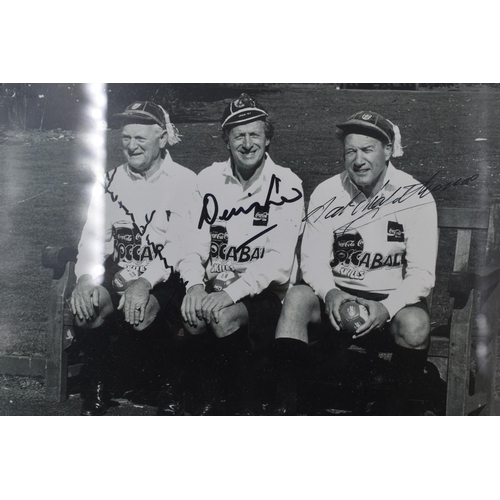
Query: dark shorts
[[264, 311]]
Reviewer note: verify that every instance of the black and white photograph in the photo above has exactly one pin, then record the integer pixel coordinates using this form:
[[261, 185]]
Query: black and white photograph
[[250, 249], [191, 245]]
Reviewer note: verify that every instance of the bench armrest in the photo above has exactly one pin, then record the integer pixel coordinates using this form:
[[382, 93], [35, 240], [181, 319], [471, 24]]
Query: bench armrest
[[462, 283], [58, 257]]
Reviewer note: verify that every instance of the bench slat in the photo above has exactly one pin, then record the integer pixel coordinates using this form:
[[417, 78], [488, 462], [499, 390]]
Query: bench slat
[[462, 250], [463, 218], [459, 359]]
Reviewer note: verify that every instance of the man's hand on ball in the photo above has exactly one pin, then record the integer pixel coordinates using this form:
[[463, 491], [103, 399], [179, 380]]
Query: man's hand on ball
[[191, 308], [85, 298], [333, 299], [377, 317], [213, 303], [134, 301]]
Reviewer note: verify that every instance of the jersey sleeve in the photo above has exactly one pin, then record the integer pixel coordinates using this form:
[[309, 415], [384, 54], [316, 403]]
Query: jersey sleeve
[[96, 241], [181, 251], [159, 270], [195, 244]]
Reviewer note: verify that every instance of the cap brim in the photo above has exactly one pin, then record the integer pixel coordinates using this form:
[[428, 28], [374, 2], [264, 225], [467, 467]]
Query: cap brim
[[362, 125], [246, 115]]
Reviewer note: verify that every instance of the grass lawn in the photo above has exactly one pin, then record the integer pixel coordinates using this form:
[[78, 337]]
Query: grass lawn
[[44, 187]]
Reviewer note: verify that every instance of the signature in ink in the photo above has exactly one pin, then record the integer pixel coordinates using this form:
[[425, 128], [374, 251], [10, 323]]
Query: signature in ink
[[210, 209], [373, 205], [157, 249], [253, 238]]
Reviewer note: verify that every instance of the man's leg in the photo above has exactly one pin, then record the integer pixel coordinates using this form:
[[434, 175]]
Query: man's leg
[[141, 354], [410, 330], [300, 309], [245, 336], [163, 322], [232, 347], [94, 339], [196, 357]]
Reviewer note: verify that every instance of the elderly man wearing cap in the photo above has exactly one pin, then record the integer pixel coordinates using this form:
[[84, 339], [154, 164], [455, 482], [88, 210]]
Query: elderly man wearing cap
[[370, 236], [128, 281], [249, 226]]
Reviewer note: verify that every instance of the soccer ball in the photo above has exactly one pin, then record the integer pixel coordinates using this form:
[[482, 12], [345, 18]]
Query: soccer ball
[[223, 280], [123, 279], [353, 315]]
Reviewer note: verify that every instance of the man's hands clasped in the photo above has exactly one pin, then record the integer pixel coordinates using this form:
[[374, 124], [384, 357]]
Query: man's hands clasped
[[378, 315], [191, 307], [198, 305]]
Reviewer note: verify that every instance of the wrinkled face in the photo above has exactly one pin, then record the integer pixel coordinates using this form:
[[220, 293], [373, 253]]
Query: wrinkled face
[[142, 145], [248, 144], [366, 161]]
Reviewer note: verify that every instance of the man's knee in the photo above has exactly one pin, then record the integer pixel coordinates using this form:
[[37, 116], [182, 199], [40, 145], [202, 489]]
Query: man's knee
[[142, 326], [84, 324], [199, 329], [150, 315], [101, 313], [300, 309], [301, 304], [231, 319], [411, 328]]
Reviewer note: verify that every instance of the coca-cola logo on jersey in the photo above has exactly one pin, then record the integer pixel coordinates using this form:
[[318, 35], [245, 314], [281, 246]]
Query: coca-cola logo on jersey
[[127, 232], [350, 243], [395, 231], [261, 216], [218, 243], [219, 236], [346, 247], [124, 237]]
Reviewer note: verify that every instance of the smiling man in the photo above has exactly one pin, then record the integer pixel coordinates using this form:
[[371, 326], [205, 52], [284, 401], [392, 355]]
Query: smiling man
[[128, 284], [249, 229], [364, 242]]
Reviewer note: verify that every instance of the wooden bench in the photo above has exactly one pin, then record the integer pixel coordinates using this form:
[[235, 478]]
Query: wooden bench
[[474, 322], [60, 334], [465, 353]]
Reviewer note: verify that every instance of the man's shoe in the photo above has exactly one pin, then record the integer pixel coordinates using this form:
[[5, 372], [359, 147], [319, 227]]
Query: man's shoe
[[170, 409], [168, 404], [208, 409], [97, 401], [281, 411]]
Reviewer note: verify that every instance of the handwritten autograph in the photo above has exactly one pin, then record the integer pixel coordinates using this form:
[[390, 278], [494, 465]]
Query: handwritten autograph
[[373, 205], [210, 210], [157, 249]]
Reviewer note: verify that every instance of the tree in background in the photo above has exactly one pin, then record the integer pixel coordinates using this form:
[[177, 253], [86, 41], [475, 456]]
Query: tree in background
[[121, 95], [61, 105], [15, 100], [40, 105]]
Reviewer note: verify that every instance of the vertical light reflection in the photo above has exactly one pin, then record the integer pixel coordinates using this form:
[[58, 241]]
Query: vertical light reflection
[[95, 136], [485, 169], [482, 341]]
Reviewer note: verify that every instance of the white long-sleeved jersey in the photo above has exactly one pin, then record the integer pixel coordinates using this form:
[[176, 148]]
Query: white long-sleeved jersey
[[146, 222], [252, 231], [387, 244]]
